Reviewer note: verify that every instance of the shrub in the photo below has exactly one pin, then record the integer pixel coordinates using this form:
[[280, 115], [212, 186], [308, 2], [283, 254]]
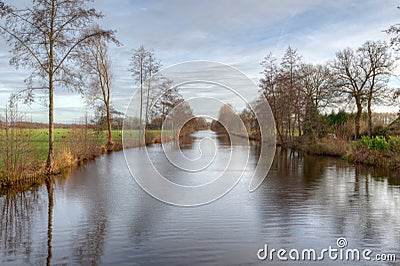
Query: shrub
[[394, 143], [15, 150], [377, 143], [83, 142]]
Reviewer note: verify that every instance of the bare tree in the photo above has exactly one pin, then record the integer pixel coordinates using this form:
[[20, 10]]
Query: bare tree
[[165, 99], [378, 65], [143, 67], [362, 76], [289, 78], [350, 81], [315, 84], [98, 64], [153, 68], [282, 88], [317, 92], [47, 37], [394, 31], [269, 85]]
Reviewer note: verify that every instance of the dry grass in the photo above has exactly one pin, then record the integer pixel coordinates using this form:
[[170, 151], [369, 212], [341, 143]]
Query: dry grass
[[326, 146], [64, 158], [358, 154]]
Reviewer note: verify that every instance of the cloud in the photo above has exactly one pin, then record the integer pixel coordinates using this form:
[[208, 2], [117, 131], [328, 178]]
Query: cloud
[[234, 32]]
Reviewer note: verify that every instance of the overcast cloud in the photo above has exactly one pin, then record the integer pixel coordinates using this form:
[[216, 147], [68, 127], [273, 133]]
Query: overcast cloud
[[238, 33]]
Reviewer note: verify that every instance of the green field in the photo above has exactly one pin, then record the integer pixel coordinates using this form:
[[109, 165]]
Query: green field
[[71, 146], [39, 138]]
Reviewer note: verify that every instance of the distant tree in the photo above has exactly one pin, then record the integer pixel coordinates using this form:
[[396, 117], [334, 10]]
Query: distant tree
[[98, 65], [178, 112], [317, 91], [281, 85], [230, 120], [143, 66], [164, 100], [101, 121], [290, 80], [47, 38], [394, 31], [153, 68], [272, 91], [250, 121]]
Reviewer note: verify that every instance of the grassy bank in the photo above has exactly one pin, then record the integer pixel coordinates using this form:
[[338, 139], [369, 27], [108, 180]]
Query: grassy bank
[[375, 151], [24, 152], [40, 140]]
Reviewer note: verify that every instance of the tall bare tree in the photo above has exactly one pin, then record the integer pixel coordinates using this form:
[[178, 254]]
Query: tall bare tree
[[362, 76], [377, 62], [98, 65], [153, 68], [394, 31], [350, 81], [270, 86], [289, 78], [317, 91], [281, 86], [143, 66], [47, 37]]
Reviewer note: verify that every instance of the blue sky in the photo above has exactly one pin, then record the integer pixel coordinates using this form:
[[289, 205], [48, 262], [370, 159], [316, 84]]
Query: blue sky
[[238, 33]]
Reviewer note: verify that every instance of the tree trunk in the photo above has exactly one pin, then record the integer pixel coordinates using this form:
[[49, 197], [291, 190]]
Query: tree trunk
[[357, 119], [147, 103], [299, 124], [369, 117], [50, 197], [50, 155], [141, 105], [370, 95], [110, 143]]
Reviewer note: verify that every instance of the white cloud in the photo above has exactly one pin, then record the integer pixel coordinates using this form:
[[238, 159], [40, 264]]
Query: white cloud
[[235, 32]]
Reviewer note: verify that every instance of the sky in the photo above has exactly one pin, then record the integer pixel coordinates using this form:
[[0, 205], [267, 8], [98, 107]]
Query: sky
[[235, 33]]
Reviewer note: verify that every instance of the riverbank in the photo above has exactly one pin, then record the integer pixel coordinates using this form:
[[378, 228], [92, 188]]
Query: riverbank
[[73, 148], [376, 151], [98, 212]]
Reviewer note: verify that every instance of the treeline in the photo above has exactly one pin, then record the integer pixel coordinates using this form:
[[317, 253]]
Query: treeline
[[301, 94]]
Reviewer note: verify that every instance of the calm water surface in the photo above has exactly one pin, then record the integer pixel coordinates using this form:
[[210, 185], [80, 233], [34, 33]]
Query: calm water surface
[[97, 214]]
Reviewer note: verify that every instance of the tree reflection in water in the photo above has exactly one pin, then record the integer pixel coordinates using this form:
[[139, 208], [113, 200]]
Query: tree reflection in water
[[17, 209], [50, 200]]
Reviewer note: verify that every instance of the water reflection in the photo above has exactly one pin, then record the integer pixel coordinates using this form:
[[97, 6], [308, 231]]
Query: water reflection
[[17, 209], [98, 215], [50, 200], [321, 196]]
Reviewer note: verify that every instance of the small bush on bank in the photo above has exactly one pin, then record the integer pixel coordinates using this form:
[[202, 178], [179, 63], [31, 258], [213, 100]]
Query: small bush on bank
[[16, 158], [64, 158], [394, 142], [381, 143], [377, 151], [377, 143], [83, 144]]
